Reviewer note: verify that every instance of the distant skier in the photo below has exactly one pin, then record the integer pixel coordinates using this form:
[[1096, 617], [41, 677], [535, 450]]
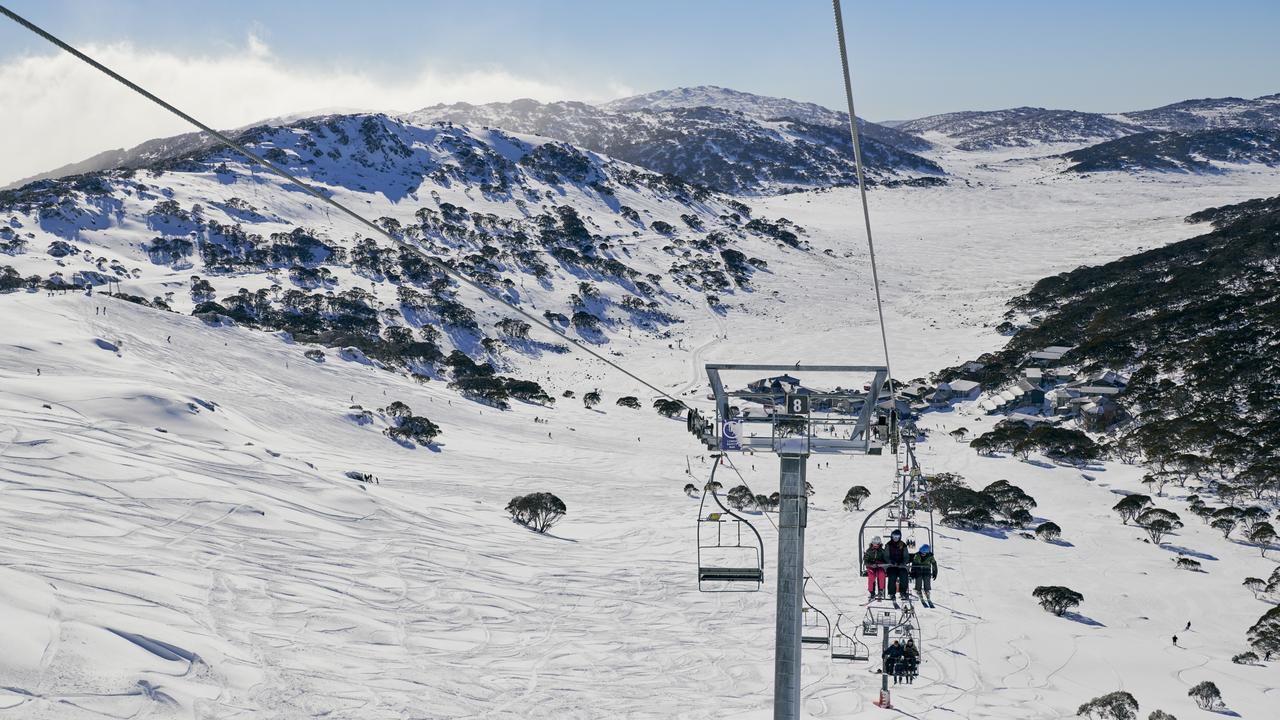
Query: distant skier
[[1188, 627], [874, 559], [890, 659], [1175, 641], [898, 558], [924, 568]]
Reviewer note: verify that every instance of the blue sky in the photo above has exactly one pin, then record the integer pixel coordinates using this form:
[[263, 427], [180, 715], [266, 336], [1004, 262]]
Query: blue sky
[[234, 62], [911, 58]]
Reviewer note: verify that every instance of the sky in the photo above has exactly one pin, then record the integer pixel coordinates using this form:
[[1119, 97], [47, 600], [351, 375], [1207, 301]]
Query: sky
[[234, 62]]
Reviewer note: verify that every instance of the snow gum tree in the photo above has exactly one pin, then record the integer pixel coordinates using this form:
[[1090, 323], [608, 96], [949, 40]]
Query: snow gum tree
[[1130, 506], [1118, 705], [537, 511], [1206, 695], [1058, 600], [854, 498], [1048, 531], [1158, 523], [740, 497], [1262, 535]]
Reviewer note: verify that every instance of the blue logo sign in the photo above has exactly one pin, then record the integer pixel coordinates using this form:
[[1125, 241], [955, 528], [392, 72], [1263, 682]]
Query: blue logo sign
[[731, 435]]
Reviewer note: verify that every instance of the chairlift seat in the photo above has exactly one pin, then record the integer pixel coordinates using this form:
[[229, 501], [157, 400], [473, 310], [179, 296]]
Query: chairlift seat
[[730, 574], [852, 654], [815, 640]]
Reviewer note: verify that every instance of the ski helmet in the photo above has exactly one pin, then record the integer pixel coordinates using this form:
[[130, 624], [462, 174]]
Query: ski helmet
[[925, 549], [896, 534], [876, 540]]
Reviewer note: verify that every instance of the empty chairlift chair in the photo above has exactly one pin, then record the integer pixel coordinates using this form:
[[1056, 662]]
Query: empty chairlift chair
[[815, 626], [847, 647], [730, 551]]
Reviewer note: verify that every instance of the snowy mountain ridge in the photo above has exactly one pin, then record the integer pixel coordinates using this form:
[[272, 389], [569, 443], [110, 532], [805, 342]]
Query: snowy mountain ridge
[[763, 107], [1019, 127], [1261, 113], [722, 148]]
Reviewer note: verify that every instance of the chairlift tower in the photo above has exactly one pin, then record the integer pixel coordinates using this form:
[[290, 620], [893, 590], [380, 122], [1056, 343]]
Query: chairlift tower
[[781, 416]]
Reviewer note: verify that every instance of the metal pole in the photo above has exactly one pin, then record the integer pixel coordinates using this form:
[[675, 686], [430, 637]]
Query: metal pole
[[884, 670], [792, 518]]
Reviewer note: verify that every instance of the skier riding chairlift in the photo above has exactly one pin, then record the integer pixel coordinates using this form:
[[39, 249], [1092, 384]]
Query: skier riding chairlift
[[874, 559], [898, 557], [924, 568]]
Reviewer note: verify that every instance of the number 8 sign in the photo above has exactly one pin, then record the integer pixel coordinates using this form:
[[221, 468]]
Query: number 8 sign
[[797, 404]]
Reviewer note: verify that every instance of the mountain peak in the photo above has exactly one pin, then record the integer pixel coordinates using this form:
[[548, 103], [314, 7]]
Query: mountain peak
[[762, 107]]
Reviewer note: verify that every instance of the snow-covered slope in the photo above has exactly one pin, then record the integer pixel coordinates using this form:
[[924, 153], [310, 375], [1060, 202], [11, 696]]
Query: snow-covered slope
[[597, 246], [1198, 151], [1018, 127], [721, 148], [1211, 113], [181, 538]]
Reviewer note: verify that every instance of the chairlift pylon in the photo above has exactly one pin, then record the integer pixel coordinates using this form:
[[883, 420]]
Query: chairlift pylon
[[728, 561]]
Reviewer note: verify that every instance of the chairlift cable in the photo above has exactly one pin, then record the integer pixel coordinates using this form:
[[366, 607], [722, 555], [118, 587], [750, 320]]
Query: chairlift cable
[[862, 187], [314, 192]]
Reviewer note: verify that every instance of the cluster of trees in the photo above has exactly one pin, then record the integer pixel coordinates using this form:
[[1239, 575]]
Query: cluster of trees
[[1021, 439], [1264, 635], [741, 498], [1252, 520], [1121, 705], [1139, 509], [407, 427], [537, 511], [1000, 504], [1269, 587], [669, 408], [11, 243], [481, 381]]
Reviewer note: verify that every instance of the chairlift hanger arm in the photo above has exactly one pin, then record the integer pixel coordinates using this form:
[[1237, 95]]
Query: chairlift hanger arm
[[715, 497], [793, 368]]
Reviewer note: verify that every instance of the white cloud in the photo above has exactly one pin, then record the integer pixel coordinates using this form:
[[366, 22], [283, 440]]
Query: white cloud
[[54, 109]]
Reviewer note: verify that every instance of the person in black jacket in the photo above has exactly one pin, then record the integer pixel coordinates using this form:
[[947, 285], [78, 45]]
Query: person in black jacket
[[910, 662], [897, 558], [892, 659]]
